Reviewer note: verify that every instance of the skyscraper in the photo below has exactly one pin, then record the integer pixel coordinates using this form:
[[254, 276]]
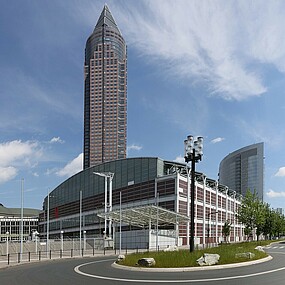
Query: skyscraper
[[243, 169], [105, 93]]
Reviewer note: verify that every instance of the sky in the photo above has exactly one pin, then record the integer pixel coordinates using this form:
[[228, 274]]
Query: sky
[[208, 68]]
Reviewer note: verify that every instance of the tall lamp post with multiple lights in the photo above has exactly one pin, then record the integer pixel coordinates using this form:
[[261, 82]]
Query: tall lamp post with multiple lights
[[193, 152]]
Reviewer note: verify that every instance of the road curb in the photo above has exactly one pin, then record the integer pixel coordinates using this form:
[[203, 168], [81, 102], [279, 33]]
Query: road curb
[[185, 269]]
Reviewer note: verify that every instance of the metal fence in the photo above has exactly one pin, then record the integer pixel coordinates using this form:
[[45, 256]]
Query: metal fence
[[52, 244], [10, 252]]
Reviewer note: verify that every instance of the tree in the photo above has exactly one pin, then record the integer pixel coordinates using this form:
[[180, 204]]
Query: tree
[[279, 224], [251, 213], [247, 232], [269, 223], [226, 229]]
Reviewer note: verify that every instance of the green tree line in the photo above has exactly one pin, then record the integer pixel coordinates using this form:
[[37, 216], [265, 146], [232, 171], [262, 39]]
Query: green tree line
[[259, 217]]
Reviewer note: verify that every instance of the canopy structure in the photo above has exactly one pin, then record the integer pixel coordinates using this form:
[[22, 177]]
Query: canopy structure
[[143, 216]]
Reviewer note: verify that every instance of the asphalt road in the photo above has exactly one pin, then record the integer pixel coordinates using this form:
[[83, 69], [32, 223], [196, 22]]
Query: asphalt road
[[98, 270]]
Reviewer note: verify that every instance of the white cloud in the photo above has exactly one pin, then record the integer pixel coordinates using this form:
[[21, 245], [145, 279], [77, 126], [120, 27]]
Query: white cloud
[[134, 147], [56, 140], [179, 159], [274, 194], [217, 140], [205, 41], [7, 173], [50, 171], [261, 131], [15, 155], [280, 172], [72, 167], [264, 32], [13, 151]]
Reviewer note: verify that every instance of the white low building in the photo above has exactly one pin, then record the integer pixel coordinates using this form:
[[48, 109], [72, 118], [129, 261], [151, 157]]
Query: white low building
[[11, 221]]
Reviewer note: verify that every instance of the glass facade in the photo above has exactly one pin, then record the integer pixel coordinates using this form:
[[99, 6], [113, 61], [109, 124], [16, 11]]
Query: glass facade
[[133, 177], [140, 182], [243, 170], [128, 172], [105, 93]]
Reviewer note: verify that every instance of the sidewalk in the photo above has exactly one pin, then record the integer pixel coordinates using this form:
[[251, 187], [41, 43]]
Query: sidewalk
[[16, 259]]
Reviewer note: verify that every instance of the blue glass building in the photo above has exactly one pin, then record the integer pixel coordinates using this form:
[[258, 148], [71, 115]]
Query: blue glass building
[[243, 169]]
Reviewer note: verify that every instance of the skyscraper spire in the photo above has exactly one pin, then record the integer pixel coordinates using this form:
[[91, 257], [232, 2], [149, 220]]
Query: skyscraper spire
[[105, 93], [106, 19]]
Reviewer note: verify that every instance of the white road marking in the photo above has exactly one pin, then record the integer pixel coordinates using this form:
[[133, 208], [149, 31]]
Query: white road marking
[[77, 270]]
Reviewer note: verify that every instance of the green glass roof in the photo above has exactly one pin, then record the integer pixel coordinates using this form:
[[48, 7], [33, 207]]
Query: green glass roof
[[16, 212]]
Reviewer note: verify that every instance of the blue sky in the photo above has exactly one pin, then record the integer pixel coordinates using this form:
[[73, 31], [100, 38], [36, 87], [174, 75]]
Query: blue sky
[[210, 68]]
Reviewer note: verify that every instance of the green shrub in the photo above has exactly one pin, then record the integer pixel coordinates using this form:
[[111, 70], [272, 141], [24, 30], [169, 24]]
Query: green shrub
[[185, 258]]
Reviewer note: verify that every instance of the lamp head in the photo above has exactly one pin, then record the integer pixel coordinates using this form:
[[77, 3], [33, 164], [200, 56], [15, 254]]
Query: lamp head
[[199, 146], [188, 147]]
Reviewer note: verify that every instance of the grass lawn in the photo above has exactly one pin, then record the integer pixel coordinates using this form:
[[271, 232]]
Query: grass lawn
[[185, 258]]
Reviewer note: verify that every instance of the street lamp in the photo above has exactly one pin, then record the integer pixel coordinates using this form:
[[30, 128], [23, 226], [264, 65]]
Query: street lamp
[[80, 220], [84, 240], [120, 222], [107, 205], [47, 241], [35, 238], [7, 243], [193, 152], [48, 219], [61, 240], [22, 219]]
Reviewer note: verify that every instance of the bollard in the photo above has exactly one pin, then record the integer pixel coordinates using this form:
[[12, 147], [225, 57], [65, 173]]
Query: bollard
[[93, 251], [50, 254], [60, 253], [39, 255], [104, 251], [126, 250], [8, 256], [82, 252], [71, 252], [29, 254], [19, 254]]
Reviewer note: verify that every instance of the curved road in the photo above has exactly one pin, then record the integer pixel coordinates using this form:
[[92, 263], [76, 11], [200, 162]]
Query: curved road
[[99, 271]]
